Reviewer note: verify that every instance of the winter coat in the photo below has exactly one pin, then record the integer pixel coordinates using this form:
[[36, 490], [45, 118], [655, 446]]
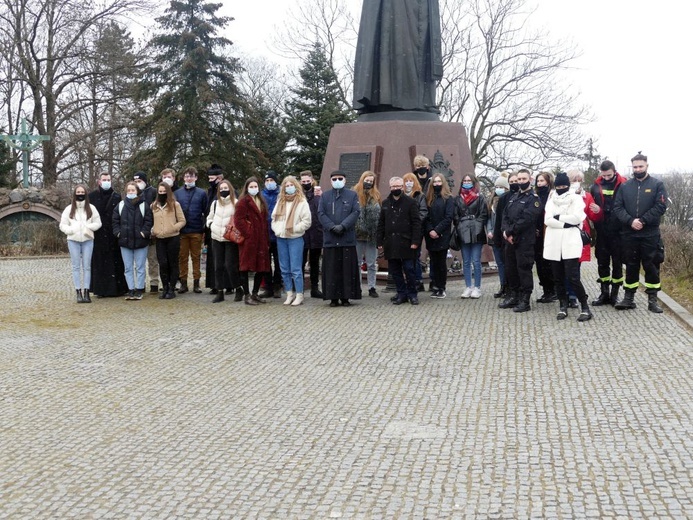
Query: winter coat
[[605, 220], [80, 228], [564, 216], [252, 224], [646, 200], [193, 201], [132, 223], [339, 207], [167, 224], [520, 217], [497, 219], [367, 224], [271, 200], [313, 238], [399, 227], [302, 220], [220, 214], [470, 221], [586, 255], [439, 218]]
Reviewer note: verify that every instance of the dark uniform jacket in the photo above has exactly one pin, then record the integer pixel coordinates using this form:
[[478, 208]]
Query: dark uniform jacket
[[605, 221], [399, 227], [520, 217], [646, 200]]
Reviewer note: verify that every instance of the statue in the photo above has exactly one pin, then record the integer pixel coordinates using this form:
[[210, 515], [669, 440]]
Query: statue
[[398, 56]]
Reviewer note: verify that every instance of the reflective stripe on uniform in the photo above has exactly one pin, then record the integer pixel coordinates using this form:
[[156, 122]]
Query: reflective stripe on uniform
[[606, 279], [653, 285], [631, 285], [608, 192], [618, 280]]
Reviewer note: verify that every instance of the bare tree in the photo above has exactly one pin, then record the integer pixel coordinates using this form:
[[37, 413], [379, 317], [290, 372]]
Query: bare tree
[[680, 208], [503, 82], [48, 37]]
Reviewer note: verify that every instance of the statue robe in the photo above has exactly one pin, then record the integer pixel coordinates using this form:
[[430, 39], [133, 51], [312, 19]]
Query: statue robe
[[398, 56], [107, 268]]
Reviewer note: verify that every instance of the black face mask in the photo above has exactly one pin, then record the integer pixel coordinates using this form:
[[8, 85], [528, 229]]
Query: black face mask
[[542, 189], [80, 198], [524, 185], [396, 193], [307, 187], [561, 191], [514, 187], [224, 193], [437, 189], [367, 185], [640, 175], [161, 197], [422, 172]]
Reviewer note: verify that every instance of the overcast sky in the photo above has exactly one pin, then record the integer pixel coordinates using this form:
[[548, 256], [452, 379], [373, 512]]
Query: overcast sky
[[635, 71]]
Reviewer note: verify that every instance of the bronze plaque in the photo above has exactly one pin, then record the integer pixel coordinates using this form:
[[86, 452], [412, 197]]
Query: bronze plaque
[[353, 165]]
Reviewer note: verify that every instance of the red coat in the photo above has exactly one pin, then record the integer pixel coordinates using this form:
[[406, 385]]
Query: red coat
[[252, 224], [587, 250]]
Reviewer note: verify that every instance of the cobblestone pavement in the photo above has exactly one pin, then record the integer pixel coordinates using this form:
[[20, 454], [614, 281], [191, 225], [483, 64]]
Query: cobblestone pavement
[[452, 409]]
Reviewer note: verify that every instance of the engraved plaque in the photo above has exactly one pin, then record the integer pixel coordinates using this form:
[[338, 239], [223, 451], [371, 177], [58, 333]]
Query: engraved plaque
[[353, 165]]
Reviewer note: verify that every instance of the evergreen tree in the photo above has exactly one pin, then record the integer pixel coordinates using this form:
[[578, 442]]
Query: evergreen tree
[[8, 170], [315, 109], [190, 85]]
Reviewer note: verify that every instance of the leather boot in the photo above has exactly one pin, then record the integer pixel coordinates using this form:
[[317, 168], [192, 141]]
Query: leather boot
[[183, 287], [523, 306], [238, 296], [87, 298], [549, 296], [249, 300], [627, 301], [653, 304], [80, 298], [277, 290], [604, 297], [316, 293], [196, 286], [510, 301], [585, 313], [219, 297], [257, 299], [502, 292], [613, 298], [162, 295], [562, 310]]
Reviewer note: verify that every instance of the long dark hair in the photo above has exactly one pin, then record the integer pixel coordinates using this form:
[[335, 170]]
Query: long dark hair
[[87, 206], [244, 193], [170, 198]]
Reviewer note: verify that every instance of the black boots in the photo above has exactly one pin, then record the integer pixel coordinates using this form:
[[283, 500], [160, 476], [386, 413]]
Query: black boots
[[604, 297], [614, 294], [653, 305], [585, 313], [562, 310], [627, 301], [162, 294], [315, 292], [502, 292], [86, 298], [196, 286], [80, 298], [238, 296], [183, 287], [510, 301], [548, 296], [219, 297], [523, 306]]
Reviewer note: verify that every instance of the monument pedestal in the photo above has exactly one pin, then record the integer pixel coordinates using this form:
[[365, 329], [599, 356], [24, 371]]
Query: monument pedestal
[[388, 149]]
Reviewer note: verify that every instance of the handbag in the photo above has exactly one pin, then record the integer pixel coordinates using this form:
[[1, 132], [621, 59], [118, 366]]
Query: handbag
[[586, 239], [232, 234], [455, 240]]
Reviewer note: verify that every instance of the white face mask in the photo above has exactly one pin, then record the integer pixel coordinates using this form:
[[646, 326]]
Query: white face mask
[[167, 180], [253, 191], [409, 185], [141, 185], [574, 187]]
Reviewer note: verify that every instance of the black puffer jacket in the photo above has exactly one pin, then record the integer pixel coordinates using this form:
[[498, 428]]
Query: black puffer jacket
[[132, 223], [439, 218]]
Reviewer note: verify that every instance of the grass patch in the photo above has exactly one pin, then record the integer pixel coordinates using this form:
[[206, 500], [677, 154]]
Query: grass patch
[[680, 288]]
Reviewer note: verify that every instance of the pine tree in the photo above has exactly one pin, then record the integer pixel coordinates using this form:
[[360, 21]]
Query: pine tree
[[8, 166], [190, 85], [315, 109]]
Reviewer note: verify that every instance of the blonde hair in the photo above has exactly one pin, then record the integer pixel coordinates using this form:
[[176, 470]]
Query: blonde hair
[[365, 196], [421, 161]]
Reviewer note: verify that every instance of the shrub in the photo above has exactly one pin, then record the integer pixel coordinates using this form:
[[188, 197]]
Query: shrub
[[678, 250], [31, 238]]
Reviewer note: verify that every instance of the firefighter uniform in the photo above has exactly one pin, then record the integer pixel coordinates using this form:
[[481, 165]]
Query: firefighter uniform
[[645, 200], [519, 222]]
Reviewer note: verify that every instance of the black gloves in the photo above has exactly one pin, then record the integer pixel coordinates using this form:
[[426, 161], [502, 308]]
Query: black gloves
[[338, 230]]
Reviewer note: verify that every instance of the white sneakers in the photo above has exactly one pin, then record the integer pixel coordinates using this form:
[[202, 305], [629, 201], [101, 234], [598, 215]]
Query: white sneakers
[[472, 292]]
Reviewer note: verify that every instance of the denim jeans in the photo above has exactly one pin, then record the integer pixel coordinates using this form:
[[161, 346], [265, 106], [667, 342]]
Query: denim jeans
[[291, 262], [500, 262], [371, 253], [138, 257], [403, 273], [471, 255], [80, 255]]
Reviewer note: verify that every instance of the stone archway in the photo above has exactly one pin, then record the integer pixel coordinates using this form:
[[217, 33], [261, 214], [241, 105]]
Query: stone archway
[[30, 207]]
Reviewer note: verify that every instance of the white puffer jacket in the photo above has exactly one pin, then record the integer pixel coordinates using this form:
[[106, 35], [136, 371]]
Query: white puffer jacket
[[560, 242], [80, 228], [302, 220], [220, 213]]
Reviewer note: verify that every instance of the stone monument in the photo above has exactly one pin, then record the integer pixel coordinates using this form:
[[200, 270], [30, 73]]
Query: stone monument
[[398, 64]]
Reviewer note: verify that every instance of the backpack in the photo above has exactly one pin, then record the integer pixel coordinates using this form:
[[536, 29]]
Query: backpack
[[121, 204]]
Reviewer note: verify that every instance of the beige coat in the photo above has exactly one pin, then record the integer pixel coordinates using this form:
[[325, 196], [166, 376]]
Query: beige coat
[[167, 223]]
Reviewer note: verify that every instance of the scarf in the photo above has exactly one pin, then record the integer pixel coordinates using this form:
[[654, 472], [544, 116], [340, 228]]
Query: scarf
[[469, 196], [281, 210]]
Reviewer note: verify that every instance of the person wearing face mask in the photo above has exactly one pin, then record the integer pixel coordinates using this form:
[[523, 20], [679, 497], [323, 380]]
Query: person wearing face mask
[[564, 216], [168, 220], [79, 221], [272, 284], [107, 269], [224, 252], [639, 206], [495, 236], [608, 245], [519, 232], [470, 218], [413, 189], [290, 220], [422, 169], [250, 220], [399, 236], [367, 227], [312, 239], [132, 226], [543, 186], [338, 212], [214, 176], [193, 201], [437, 229], [168, 176], [149, 196]]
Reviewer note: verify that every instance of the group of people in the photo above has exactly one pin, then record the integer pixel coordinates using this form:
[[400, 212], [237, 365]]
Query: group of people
[[291, 224]]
